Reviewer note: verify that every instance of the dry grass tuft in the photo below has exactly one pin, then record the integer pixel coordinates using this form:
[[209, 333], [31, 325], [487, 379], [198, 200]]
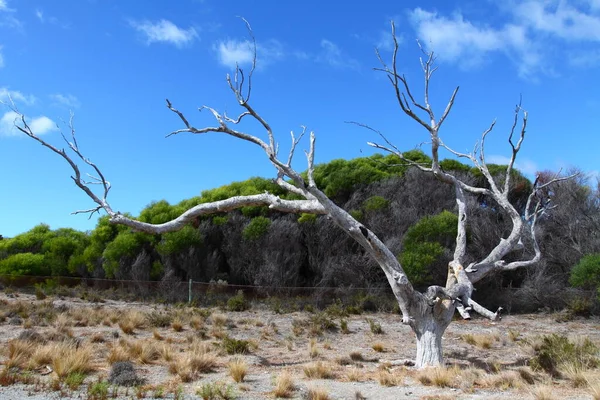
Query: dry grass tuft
[[177, 325], [438, 376], [387, 378], [319, 370], [543, 392], [317, 393], [594, 388], [378, 347], [313, 350], [354, 375], [118, 352], [284, 385], [219, 319], [238, 369], [504, 380], [480, 340], [72, 360], [356, 356], [19, 353]]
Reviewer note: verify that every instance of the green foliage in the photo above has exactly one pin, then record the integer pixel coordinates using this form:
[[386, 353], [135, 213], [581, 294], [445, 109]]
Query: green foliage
[[235, 346], [216, 391], [556, 351], [219, 220], [424, 243], [158, 212], [238, 302], [256, 228], [338, 177], [454, 165], [356, 214], [245, 188], [183, 239], [24, 264], [375, 203], [98, 390], [307, 218], [126, 244], [586, 273], [375, 327]]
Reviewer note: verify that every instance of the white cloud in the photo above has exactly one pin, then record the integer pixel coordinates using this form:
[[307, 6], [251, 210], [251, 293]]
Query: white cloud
[[240, 52], [7, 18], [39, 125], [527, 167], [234, 52], [460, 41], [67, 100], [16, 96], [334, 56], [166, 32], [531, 36], [39, 14], [560, 19]]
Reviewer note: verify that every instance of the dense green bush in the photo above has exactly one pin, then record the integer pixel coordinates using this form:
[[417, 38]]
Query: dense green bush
[[424, 244], [256, 228], [586, 273], [556, 351], [175, 242], [238, 302], [375, 203], [24, 264]]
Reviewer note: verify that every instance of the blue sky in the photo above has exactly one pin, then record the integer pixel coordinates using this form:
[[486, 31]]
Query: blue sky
[[114, 62]]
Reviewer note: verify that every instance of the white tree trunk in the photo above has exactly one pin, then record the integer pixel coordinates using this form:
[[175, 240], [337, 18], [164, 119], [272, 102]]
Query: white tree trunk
[[429, 345]]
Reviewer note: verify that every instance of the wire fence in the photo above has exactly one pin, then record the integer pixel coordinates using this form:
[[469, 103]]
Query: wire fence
[[285, 298], [201, 293]]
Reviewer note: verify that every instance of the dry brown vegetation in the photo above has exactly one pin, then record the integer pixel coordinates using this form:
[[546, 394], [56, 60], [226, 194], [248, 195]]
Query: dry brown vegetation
[[70, 345]]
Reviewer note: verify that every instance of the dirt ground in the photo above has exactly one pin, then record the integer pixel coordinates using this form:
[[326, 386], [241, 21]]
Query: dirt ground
[[485, 360]]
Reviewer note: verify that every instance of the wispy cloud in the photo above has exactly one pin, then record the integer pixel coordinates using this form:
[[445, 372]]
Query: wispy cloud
[[234, 52], [531, 36], [39, 125], [333, 55], [240, 52], [16, 96], [66, 100], [165, 31], [40, 15], [7, 18]]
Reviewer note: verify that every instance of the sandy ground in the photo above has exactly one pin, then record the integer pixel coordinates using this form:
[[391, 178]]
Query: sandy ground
[[280, 347]]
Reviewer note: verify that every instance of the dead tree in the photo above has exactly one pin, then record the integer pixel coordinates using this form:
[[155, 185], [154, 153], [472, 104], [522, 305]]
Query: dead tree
[[428, 313]]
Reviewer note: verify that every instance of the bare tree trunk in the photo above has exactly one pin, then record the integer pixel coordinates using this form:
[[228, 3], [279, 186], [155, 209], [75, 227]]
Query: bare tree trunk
[[429, 327]]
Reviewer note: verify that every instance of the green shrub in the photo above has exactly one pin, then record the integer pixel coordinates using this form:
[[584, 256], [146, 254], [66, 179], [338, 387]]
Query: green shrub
[[180, 240], [425, 243], [235, 346], [256, 228], [375, 203], [586, 273], [307, 218], [216, 391], [219, 220], [321, 322], [356, 214], [375, 327], [238, 302], [24, 264], [555, 351]]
